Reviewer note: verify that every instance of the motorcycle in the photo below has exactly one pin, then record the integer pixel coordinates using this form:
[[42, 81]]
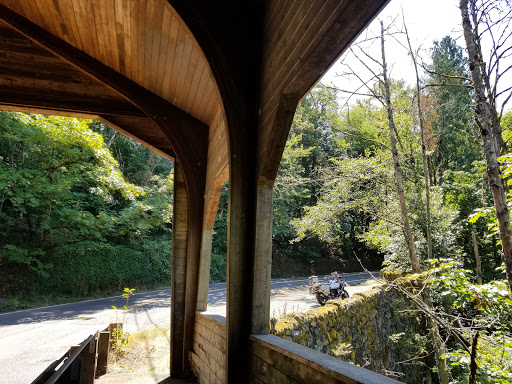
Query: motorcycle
[[325, 291]]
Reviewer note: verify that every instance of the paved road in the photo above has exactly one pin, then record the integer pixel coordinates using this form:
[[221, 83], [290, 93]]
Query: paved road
[[31, 339]]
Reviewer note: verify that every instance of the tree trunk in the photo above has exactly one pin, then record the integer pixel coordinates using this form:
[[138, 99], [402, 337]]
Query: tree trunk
[[435, 337], [484, 121], [426, 171], [477, 258], [473, 367], [486, 82], [409, 238]]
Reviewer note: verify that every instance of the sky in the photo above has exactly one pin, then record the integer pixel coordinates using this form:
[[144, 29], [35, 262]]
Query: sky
[[426, 21]]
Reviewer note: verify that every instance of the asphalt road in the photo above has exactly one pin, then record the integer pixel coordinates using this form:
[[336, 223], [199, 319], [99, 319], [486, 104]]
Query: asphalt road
[[32, 339]]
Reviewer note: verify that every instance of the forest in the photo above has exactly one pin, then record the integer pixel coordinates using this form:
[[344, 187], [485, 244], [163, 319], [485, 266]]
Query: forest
[[84, 210], [409, 178]]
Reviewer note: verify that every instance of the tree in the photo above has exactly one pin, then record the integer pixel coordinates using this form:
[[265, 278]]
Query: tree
[[455, 137], [62, 194], [486, 93]]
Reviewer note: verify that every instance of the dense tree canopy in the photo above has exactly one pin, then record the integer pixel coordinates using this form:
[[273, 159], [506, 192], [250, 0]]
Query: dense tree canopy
[[66, 205]]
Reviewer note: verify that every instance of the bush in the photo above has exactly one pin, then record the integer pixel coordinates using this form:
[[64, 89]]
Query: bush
[[101, 267], [218, 268]]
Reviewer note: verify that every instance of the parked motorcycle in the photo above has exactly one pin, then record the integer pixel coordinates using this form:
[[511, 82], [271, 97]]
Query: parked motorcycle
[[325, 291]]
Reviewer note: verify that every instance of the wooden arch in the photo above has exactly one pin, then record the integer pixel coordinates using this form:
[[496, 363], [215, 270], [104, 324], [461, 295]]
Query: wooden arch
[[137, 67]]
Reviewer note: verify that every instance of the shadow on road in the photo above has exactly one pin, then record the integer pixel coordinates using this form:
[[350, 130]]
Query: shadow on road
[[84, 309], [143, 302]]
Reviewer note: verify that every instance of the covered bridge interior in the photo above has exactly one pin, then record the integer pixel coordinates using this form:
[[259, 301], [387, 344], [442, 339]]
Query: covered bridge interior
[[211, 84]]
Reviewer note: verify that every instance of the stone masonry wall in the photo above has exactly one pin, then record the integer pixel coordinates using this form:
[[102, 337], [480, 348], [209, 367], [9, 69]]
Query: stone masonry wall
[[375, 330]]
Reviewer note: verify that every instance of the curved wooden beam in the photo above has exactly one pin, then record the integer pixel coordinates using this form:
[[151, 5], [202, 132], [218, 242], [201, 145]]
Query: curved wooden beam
[[230, 37]]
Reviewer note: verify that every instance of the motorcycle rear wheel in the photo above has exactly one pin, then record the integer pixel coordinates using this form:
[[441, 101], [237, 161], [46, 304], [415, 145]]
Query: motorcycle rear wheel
[[321, 298]]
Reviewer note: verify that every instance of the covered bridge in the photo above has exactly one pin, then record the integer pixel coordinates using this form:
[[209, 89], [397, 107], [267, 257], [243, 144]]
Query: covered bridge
[[214, 86]]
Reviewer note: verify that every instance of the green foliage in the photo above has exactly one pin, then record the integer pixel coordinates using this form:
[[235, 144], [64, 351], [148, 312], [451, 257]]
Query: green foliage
[[70, 221], [218, 268], [455, 138], [220, 228], [120, 338], [358, 201], [291, 188], [494, 361], [313, 142], [489, 306]]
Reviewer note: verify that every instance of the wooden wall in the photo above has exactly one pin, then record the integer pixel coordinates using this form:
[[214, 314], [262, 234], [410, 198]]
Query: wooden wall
[[209, 354]]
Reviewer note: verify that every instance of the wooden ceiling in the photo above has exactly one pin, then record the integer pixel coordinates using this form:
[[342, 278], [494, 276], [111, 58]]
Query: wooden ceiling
[[145, 41], [148, 44]]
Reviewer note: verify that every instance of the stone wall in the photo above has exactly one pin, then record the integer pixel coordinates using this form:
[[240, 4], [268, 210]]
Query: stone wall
[[375, 330]]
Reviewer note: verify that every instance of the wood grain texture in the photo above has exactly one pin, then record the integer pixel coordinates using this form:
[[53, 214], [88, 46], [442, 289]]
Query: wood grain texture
[[144, 40], [302, 40], [262, 267], [180, 232]]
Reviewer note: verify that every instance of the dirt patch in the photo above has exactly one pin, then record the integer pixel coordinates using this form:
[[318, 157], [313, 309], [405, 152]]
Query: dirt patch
[[146, 359]]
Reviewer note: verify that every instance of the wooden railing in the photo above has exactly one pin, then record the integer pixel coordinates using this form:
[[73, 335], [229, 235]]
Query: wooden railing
[[82, 363]]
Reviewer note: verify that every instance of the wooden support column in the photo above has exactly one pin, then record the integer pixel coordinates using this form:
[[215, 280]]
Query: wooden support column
[[204, 269], [262, 259], [242, 186], [195, 225], [186, 246], [178, 272], [211, 203]]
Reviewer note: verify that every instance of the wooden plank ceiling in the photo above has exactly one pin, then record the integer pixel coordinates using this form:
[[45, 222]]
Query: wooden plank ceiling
[[146, 41]]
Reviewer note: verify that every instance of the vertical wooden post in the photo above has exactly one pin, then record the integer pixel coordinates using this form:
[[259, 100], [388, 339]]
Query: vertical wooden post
[[262, 259], [114, 330], [240, 264], [178, 271], [88, 362], [204, 269], [103, 348], [213, 190], [195, 225]]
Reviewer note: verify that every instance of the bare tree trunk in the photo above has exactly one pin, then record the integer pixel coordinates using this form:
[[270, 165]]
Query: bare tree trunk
[[473, 367], [477, 258], [484, 120], [435, 337], [486, 81], [426, 171], [409, 238]]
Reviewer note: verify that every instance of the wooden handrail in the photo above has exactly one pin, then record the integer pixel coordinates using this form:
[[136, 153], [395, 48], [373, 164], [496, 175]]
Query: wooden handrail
[[69, 361]]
